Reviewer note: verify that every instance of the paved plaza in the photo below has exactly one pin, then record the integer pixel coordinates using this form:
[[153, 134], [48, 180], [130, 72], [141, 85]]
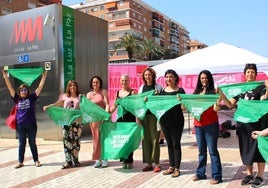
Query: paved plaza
[[51, 156]]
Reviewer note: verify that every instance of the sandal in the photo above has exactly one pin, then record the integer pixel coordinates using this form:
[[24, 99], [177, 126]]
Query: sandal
[[38, 164], [65, 166], [147, 168], [77, 164], [176, 173], [19, 165], [197, 178], [157, 168], [170, 170]]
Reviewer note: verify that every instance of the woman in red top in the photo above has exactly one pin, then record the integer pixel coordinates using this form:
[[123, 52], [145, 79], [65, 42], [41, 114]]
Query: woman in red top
[[207, 132]]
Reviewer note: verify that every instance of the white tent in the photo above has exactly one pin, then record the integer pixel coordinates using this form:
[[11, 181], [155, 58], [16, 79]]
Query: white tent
[[219, 58]]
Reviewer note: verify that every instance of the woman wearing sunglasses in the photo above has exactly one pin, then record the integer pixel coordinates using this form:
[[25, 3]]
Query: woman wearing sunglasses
[[26, 119]]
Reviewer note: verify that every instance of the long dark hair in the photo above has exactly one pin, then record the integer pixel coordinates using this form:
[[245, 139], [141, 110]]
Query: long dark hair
[[210, 87], [91, 80]]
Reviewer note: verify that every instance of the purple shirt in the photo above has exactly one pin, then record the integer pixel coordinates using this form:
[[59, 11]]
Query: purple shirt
[[26, 109]]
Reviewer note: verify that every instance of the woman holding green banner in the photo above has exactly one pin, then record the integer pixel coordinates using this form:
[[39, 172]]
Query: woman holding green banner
[[207, 132], [150, 143], [247, 145], [71, 133], [26, 120], [125, 91], [172, 123], [99, 96]]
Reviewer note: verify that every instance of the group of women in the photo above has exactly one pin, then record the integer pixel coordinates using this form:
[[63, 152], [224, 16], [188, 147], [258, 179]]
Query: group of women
[[171, 124]]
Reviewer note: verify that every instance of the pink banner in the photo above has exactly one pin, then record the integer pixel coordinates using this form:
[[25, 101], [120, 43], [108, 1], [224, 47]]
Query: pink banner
[[134, 71], [188, 82]]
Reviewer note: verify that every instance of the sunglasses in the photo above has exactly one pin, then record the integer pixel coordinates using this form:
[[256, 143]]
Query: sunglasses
[[23, 90], [72, 104]]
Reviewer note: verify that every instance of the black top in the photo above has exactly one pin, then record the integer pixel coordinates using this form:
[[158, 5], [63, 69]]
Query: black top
[[175, 113], [127, 117]]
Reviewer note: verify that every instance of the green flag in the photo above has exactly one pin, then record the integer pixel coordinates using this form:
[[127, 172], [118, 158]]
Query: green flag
[[197, 104], [26, 75], [63, 116], [120, 111], [119, 139], [263, 147], [249, 111], [135, 104], [159, 104], [91, 112], [232, 90]]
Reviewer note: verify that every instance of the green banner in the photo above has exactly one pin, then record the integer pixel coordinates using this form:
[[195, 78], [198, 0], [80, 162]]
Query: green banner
[[249, 111], [119, 139], [197, 104], [232, 90], [91, 112], [159, 104], [62, 116], [263, 147], [135, 104], [26, 75], [68, 43]]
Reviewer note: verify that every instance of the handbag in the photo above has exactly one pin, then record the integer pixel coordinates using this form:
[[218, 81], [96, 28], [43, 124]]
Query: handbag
[[11, 121]]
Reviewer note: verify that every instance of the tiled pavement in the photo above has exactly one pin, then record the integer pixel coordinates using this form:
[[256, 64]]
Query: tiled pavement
[[51, 156]]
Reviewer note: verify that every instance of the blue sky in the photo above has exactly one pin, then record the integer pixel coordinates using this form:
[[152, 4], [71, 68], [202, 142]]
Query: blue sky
[[242, 23]]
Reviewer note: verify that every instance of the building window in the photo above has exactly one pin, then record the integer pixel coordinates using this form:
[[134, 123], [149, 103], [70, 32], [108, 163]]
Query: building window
[[121, 3], [101, 7], [145, 29], [31, 5], [6, 11], [102, 16], [120, 14], [111, 25], [121, 52], [94, 9], [109, 15], [134, 14], [145, 20]]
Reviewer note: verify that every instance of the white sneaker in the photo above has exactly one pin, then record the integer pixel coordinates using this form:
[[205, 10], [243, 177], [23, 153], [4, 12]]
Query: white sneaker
[[104, 164], [97, 164]]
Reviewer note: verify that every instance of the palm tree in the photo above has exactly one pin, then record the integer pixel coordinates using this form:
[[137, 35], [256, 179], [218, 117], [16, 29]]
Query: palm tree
[[129, 42], [150, 49]]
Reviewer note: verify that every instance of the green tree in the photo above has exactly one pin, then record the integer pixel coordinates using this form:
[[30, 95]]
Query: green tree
[[170, 55], [130, 43], [150, 49]]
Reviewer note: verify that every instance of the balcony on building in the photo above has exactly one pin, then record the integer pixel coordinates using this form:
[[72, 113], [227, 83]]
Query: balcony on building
[[111, 6], [158, 17]]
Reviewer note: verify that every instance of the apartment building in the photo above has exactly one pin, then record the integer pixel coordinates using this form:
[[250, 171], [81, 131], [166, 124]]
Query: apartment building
[[11, 6], [196, 45], [135, 16]]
